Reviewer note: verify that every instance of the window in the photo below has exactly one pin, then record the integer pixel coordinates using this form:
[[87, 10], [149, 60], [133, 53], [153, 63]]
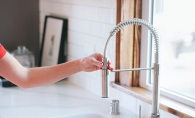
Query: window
[[175, 23]]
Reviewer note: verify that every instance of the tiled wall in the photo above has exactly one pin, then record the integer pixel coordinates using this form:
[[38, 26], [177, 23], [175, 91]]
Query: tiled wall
[[89, 24]]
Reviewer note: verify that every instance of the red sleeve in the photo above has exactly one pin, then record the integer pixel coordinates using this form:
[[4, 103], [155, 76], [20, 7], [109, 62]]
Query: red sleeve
[[2, 51]]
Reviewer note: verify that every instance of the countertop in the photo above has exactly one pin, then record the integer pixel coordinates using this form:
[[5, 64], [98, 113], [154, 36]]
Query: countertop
[[54, 101]]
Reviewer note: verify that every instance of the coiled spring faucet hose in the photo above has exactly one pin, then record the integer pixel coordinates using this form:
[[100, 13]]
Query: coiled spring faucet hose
[[105, 71]]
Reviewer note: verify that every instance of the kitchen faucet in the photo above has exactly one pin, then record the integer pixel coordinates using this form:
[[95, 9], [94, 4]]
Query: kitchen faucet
[[155, 68]]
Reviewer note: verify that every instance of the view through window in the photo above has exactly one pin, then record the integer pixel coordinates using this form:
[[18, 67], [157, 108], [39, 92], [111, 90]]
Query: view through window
[[175, 24]]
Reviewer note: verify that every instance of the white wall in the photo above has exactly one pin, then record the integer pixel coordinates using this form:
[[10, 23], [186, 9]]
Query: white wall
[[89, 24]]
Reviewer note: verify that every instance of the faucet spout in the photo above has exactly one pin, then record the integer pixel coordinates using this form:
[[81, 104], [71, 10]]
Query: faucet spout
[[105, 71]]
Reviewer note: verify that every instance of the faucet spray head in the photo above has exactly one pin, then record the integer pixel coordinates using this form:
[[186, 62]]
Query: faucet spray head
[[105, 77]]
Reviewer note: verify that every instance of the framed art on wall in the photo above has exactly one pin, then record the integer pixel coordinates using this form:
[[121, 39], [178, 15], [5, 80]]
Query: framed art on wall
[[54, 41]]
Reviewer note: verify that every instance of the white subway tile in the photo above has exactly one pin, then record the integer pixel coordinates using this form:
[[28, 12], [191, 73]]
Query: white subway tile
[[45, 6], [80, 80], [73, 24], [85, 38], [111, 50], [114, 16], [88, 49], [98, 3], [75, 50], [78, 11], [96, 87], [83, 12], [115, 94], [70, 58], [108, 29], [75, 38], [87, 81], [81, 2], [98, 75], [82, 40], [92, 75], [97, 29], [56, 8], [128, 102], [79, 25], [112, 76], [105, 15], [61, 1], [67, 10], [99, 47], [91, 13], [45, 0], [110, 4], [51, 8]]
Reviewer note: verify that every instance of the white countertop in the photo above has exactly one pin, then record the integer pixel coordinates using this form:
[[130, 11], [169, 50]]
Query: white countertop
[[53, 101]]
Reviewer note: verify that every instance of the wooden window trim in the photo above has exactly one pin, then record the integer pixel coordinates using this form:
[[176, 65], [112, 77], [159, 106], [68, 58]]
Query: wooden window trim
[[128, 42]]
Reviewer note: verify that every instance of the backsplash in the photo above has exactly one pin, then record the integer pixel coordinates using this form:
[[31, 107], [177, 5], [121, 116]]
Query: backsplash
[[90, 22]]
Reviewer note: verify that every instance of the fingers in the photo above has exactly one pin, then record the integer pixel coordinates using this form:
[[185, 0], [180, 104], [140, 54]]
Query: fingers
[[109, 66], [96, 60], [99, 56], [97, 63]]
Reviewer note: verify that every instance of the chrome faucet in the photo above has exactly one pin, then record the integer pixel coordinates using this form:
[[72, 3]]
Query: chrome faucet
[[155, 68]]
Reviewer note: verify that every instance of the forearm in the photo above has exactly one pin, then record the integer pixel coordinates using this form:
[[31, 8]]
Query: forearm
[[23, 77], [50, 74], [13, 71]]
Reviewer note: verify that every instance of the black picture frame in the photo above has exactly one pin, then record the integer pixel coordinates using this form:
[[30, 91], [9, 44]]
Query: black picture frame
[[54, 41]]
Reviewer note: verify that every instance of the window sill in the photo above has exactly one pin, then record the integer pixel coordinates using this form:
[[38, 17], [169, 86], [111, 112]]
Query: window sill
[[166, 104]]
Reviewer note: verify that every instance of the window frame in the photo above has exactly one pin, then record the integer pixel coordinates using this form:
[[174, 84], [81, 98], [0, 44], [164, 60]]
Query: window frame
[[146, 51], [145, 46]]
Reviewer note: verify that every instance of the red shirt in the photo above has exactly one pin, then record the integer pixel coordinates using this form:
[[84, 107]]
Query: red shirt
[[2, 51]]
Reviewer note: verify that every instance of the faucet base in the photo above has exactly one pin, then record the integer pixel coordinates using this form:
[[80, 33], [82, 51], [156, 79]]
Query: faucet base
[[155, 116]]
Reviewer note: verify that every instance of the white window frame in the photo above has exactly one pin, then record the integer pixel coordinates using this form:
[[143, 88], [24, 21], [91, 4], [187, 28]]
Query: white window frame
[[145, 57]]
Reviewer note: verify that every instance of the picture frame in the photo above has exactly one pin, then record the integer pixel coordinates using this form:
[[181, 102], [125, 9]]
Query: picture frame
[[54, 41]]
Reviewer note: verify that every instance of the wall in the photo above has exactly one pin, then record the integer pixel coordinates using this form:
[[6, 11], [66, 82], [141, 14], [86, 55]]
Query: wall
[[19, 24], [89, 24]]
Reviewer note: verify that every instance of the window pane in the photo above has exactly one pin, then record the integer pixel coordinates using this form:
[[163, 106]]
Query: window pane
[[175, 23]]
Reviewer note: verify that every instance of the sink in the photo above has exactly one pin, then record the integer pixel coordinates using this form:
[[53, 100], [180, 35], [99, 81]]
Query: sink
[[84, 116]]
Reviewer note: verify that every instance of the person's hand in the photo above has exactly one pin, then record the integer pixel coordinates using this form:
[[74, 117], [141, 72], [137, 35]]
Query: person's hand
[[92, 62]]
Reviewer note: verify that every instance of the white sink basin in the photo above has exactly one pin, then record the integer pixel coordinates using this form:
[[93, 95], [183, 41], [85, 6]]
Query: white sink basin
[[84, 116]]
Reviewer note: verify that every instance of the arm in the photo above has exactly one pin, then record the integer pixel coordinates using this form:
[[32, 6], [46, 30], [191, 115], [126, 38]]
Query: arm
[[13, 71]]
